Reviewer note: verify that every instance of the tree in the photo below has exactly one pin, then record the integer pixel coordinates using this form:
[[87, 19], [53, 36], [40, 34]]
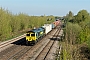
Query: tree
[[81, 16], [69, 16]]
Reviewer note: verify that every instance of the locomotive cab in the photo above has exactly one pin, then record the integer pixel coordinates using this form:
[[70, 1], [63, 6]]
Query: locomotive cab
[[33, 36], [30, 37]]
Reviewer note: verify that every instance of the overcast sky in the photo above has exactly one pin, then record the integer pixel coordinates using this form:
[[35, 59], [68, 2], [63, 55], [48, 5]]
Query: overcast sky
[[47, 7]]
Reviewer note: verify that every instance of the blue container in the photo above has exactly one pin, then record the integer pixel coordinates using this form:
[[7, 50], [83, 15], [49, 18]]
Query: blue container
[[53, 26]]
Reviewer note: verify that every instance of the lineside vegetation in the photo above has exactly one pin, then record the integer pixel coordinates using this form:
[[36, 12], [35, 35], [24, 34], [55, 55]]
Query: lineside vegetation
[[12, 25], [76, 45]]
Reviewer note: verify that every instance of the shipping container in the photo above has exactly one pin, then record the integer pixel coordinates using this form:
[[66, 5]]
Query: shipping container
[[56, 23], [48, 28], [53, 26]]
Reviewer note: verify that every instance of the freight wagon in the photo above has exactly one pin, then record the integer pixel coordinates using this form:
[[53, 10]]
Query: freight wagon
[[56, 23], [47, 27]]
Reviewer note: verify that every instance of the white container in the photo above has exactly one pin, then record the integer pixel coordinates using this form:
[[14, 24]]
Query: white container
[[48, 28]]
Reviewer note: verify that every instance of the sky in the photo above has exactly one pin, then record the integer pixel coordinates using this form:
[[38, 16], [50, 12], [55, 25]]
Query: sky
[[45, 7]]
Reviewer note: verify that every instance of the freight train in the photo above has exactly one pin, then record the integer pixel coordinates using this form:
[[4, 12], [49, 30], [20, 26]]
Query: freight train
[[33, 36]]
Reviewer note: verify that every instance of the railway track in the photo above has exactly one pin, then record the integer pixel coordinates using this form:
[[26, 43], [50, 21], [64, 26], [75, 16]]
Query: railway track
[[20, 52], [16, 51], [38, 47], [47, 51], [5, 54], [7, 44]]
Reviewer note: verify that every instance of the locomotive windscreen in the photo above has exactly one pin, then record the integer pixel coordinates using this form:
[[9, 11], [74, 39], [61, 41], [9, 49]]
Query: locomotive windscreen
[[32, 34], [28, 34]]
